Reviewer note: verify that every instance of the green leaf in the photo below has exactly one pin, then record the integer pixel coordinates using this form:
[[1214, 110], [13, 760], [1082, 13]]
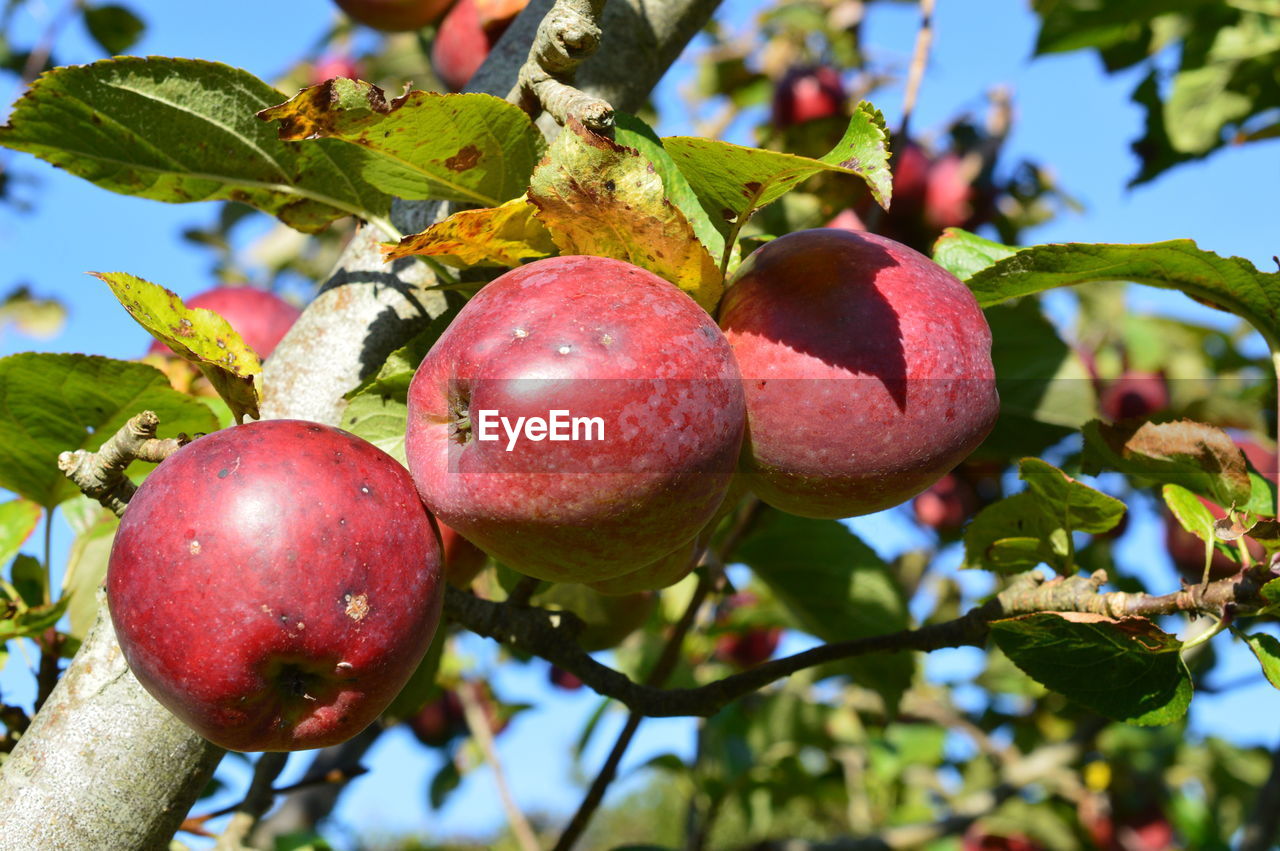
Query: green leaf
[[1035, 525], [835, 587], [1202, 458], [1044, 386], [113, 27], [1271, 591], [27, 622], [1230, 283], [1077, 504], [18, 519], [962, 253], [52, 403], [1127, 670], [1193, 515], [443, 783], [732, 181], [473, 148], [634, 133], [86, 570], [30, 580], [379, 419], [198, 335], [1267, 649], [1014, 534], [180, 130], [598, 197]]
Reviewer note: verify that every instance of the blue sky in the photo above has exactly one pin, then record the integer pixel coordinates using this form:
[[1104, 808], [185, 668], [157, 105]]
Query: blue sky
[[1069, 115]]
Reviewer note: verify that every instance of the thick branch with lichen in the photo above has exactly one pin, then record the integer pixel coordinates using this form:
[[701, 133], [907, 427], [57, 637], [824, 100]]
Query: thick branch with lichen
[[552, 635]]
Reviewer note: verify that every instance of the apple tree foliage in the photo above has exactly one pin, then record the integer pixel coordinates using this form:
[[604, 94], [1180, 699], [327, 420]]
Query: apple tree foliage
[[1070, 729]]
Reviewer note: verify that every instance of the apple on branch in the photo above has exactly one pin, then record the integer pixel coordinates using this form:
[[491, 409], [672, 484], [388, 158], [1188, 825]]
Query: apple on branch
[[867, 369], [275, 584], [580, 419]]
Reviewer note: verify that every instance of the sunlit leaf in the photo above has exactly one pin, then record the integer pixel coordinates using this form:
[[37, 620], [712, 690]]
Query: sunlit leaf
[[181, 130], [200, 336]]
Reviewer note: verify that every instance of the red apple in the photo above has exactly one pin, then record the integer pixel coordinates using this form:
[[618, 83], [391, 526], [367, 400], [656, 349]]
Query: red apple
[[847, 219], [663, 573], [750, 647], [947, 504], [567, 680], [467, 34], [275, 584], [1134, 395], [978, 839], [616, 350], [463, 560], [394, 15], [808, 93], [259, 317], [948, 196], [867, 369]]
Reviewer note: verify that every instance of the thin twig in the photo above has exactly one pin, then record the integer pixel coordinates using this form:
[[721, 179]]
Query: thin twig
[[919, 61], [478, 723], [100, 475], [257, 801], [552, 635], [666, 663]]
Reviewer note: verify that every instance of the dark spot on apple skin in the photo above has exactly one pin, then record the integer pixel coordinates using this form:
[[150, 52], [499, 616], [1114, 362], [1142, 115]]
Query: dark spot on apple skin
[[223, 473], [610, 186]]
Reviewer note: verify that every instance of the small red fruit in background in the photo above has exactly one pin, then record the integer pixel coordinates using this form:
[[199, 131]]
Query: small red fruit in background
[[807, 93], [1134, 395], [947, 504], [750, 647], [467, 34], [444, 719], [867, 369], [335, 65], [394, 15], [567, 680], [275, 584], [259, 317]]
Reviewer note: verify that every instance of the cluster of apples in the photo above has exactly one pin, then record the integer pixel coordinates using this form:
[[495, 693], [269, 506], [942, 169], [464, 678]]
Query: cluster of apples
[[466, 29], [276, 583]]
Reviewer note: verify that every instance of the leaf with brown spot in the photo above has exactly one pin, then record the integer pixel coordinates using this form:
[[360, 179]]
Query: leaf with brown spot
[[1199, 457], [473, 148], [494, 236], [734, 181], [179, 130], [198, 335], [598, 197]]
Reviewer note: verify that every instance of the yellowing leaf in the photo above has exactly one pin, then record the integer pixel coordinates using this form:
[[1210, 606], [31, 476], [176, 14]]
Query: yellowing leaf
[[598, 197], [494, 236], [200, 336]]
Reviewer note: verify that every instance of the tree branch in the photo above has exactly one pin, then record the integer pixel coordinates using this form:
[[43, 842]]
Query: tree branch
[[553, 636], [568, 34], [482, 732], [257, 801], [100, 475]]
